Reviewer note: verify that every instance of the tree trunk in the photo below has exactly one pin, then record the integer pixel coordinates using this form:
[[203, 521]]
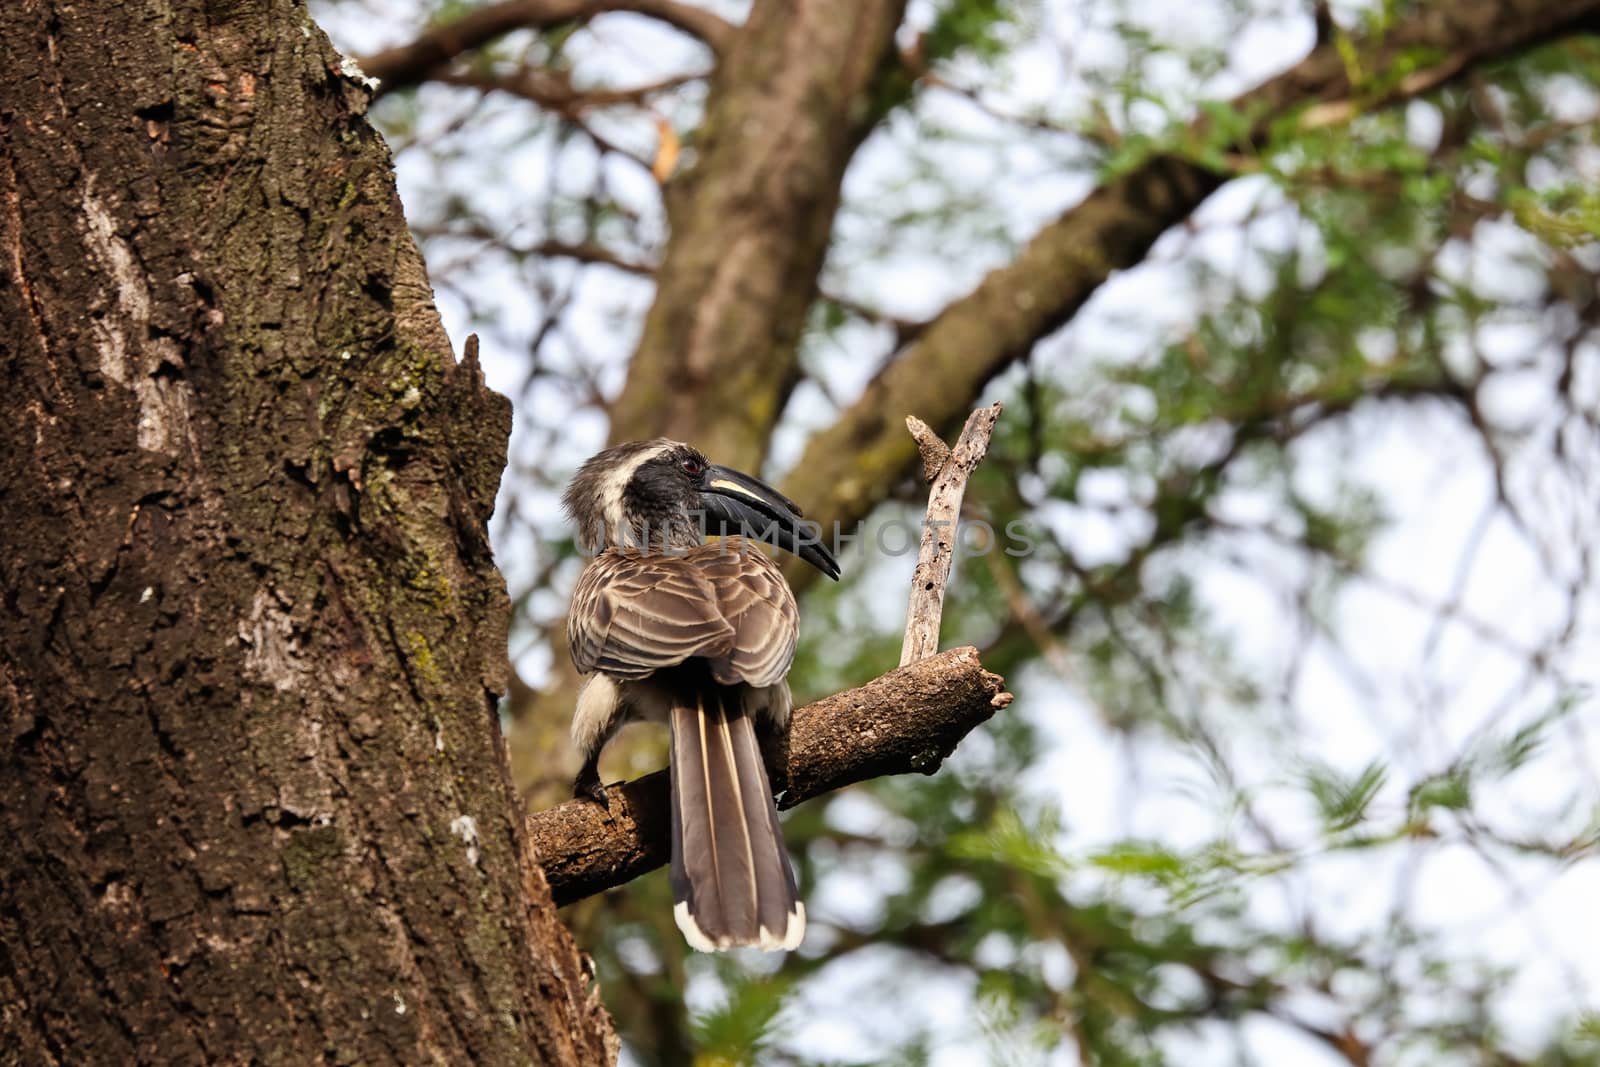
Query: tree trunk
[[796, 89], [793, 95], [252, 785]]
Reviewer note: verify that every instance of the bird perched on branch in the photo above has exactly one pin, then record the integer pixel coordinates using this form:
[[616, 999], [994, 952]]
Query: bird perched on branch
[[668, 626]]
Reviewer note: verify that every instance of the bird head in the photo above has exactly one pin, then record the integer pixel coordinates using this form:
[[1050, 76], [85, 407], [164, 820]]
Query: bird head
[[661, 494]]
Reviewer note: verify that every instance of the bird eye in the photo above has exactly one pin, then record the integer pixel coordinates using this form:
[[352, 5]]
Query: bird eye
[[692, 466]]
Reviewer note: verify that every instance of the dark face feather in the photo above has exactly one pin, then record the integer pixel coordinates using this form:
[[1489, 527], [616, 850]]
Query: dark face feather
[[661, 494], [666, 485]]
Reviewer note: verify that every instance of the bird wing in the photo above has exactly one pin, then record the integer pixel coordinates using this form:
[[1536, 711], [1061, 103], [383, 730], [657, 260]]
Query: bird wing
[[634, 614], [756, 601]]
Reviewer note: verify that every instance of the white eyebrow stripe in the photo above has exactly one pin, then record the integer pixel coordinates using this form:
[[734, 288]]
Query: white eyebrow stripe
[[614, 484]]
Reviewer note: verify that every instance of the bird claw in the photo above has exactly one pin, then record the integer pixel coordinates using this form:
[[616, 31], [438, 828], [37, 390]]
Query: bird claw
[[588, 787]]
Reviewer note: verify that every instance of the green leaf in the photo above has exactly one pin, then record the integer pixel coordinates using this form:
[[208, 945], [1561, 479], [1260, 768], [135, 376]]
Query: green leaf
[[1343, 800], [1145, 859], [1450, 790], [743, 1027]]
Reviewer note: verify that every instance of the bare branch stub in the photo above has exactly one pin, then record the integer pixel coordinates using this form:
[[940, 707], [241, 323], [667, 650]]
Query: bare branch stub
[[934, 451], [907, 720], [948, 470]]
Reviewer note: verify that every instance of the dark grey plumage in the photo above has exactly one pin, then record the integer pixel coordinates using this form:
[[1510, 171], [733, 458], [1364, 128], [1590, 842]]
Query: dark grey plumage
[[724, 822], [700, 636]]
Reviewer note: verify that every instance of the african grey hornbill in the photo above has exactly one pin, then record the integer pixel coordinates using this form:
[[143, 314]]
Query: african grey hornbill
[[668, 626]]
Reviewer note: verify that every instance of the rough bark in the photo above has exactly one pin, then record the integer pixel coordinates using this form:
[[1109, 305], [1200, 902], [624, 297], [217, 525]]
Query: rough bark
[[853, 465], [252, 786], [908, 720]]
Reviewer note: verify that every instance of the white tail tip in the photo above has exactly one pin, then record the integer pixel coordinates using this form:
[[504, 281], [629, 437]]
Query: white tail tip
[[794, 932]]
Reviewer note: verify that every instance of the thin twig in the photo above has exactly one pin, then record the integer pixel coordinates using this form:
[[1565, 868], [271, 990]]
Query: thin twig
[[418, 60], [948, 470], [1026, 614], [554, 91]]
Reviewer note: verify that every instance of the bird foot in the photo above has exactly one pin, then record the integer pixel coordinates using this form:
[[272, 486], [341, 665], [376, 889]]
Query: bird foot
[[587, 786]]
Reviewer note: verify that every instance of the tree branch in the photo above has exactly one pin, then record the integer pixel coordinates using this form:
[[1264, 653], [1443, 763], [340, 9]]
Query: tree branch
[[851, 466], [907, 720], [713, 29], [553, 90], [948, 469], [593, 253], [410, 64]]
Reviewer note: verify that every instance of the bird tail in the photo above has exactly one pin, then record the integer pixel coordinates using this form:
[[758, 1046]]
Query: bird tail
[[731, 880]]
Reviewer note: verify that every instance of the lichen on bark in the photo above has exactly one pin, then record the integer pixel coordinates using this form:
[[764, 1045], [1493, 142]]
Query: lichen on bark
[[254, 639]]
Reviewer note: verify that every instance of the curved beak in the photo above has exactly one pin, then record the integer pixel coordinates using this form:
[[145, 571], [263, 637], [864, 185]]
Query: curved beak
[[736, 503]]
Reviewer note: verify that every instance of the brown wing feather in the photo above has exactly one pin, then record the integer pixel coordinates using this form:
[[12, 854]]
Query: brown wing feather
[[758, 604], [633, 615]]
